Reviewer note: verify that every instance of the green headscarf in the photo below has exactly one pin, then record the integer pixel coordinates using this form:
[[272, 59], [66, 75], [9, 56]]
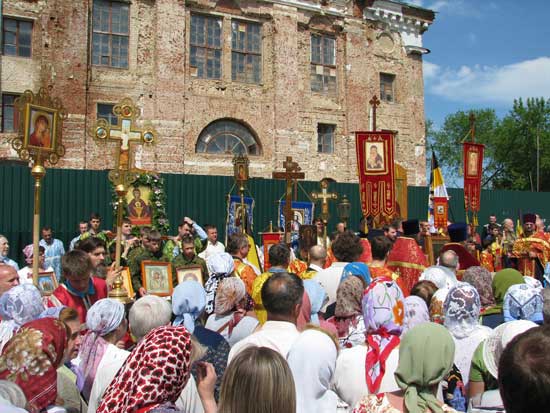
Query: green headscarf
[[426, 356], [503, 280]]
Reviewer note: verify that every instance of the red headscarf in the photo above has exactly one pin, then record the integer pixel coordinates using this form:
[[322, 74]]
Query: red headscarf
[[155, 373], [31, 358]]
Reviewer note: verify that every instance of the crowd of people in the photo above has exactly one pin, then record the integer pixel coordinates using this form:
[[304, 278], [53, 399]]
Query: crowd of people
[[378, 321]]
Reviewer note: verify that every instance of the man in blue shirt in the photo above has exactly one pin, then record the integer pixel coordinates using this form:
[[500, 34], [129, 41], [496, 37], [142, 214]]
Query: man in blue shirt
[[4, 249], [54, 250]]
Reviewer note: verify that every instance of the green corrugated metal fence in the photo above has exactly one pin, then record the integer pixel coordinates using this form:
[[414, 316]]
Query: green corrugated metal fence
[[71, 195]]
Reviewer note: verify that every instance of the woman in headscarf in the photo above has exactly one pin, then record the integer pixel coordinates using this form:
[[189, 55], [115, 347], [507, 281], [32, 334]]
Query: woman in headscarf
[[18, 305], [318, 298], [441, 276], [154, 375], [369, 368], [348, 314], [232, 317], [31, 358], [106, 326], [25, 273], [188, 303], [482, 280], [219, 266], [523, 302], [312, 360], [504, 279], [462, 307], [437, 313], [416, 312]]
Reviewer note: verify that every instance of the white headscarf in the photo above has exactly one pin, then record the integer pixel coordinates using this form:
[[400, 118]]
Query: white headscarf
[[188, 302], [462, 307], [18, 305], [219, 266], [312, 360], [442, 277]]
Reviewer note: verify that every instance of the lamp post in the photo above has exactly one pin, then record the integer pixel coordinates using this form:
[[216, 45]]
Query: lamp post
[[344, 210]]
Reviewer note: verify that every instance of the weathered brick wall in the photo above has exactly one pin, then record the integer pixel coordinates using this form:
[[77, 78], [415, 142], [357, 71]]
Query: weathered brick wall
[[282, 111]]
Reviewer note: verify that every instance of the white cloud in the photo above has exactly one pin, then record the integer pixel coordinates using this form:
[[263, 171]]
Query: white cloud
[[489, 84], [469, 8], [418, 3]]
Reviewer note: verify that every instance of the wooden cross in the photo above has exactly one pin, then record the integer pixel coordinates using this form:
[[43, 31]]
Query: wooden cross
[[292, 174], [325, 197], [374, 102], [473, 126]]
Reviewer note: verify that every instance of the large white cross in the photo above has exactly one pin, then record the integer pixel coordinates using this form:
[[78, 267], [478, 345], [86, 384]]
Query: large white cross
[[125, 134]]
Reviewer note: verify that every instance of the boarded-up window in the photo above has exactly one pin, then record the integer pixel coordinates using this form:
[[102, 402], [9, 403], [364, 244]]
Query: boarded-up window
[[387, 92], [206, 47], [246, 52], [110, 33], [323, 64]]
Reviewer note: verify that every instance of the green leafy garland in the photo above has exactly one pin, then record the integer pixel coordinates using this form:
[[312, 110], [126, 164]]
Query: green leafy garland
[[157, 201]]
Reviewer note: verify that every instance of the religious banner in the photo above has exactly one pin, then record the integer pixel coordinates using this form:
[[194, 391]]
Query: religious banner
[[234, 214], [268, 240], [375, 167], [441, 211], [473, 168], [301, 211], [144, 203]]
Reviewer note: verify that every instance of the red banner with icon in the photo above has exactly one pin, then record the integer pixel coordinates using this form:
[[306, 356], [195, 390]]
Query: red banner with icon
[[473, 168], [375, 167], [441, 212]]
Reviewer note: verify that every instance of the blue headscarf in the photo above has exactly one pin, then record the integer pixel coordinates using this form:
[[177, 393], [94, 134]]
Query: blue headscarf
[[317, 296], [359, 269], [188, 303]]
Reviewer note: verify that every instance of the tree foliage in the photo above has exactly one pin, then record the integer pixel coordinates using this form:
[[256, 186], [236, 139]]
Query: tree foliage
[[510, 160]]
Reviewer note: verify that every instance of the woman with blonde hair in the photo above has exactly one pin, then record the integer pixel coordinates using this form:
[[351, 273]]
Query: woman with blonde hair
[[258, 380]]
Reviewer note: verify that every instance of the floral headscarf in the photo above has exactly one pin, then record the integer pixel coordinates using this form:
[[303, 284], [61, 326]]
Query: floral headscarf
[[416, 312], [462, 307], [482, 280], [437, 314], [156, 372], [219, 266], [31, 358], [18, 305], [383, 313], [102, 318], [188, 301], [523, 302], [231, 291], [348, 297], [503, 280]]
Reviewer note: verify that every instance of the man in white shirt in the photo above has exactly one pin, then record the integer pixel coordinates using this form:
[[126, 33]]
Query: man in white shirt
[[282, 298], [147, 313], [213, 246], [317, 258], [347, 247]]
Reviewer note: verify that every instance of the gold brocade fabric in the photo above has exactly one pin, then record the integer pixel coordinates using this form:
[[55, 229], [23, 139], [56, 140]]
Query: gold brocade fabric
[[536, 244]]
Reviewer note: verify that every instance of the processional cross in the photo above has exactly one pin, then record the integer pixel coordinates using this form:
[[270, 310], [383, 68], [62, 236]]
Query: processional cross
[[374, 102], [324, 196], [127, 135], [292, 174]]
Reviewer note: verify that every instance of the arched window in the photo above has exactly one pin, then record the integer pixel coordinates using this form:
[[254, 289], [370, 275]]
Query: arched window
[[226, 136]]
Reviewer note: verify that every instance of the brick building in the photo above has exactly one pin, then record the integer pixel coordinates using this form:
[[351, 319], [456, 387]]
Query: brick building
[[269, 77]]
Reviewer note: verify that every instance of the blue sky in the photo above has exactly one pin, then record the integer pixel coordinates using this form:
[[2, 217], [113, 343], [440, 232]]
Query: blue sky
[[485, 53]]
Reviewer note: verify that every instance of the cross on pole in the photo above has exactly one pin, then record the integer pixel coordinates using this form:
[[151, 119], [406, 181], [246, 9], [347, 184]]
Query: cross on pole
[[324, 196], [292, 174], [374, 102]]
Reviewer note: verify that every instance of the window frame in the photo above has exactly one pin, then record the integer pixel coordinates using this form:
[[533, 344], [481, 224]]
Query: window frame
[[208, 134], [322, 134], [247, 52], [111, 34], [112, 116], [383, 95], [205, 46], [15, 117], [330, 66], [18, 20]]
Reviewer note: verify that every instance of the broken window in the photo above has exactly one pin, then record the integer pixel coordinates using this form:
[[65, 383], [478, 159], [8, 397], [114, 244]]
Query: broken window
[[110, 33], [325, 138], [387, 92], [323, 64], [246, 52], [10, 115], [206, 47], [17, 37], [228, 137]]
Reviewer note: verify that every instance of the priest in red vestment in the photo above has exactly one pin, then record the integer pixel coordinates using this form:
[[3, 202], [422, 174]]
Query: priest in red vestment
[[406, 258], [532, 250], [458, 233], [79, 290]]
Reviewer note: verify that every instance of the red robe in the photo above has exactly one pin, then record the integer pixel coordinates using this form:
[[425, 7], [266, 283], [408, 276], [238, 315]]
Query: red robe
[[465, 259], [366, 256], [384, 272], [536, 243], [62, 296], [407, 259]]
